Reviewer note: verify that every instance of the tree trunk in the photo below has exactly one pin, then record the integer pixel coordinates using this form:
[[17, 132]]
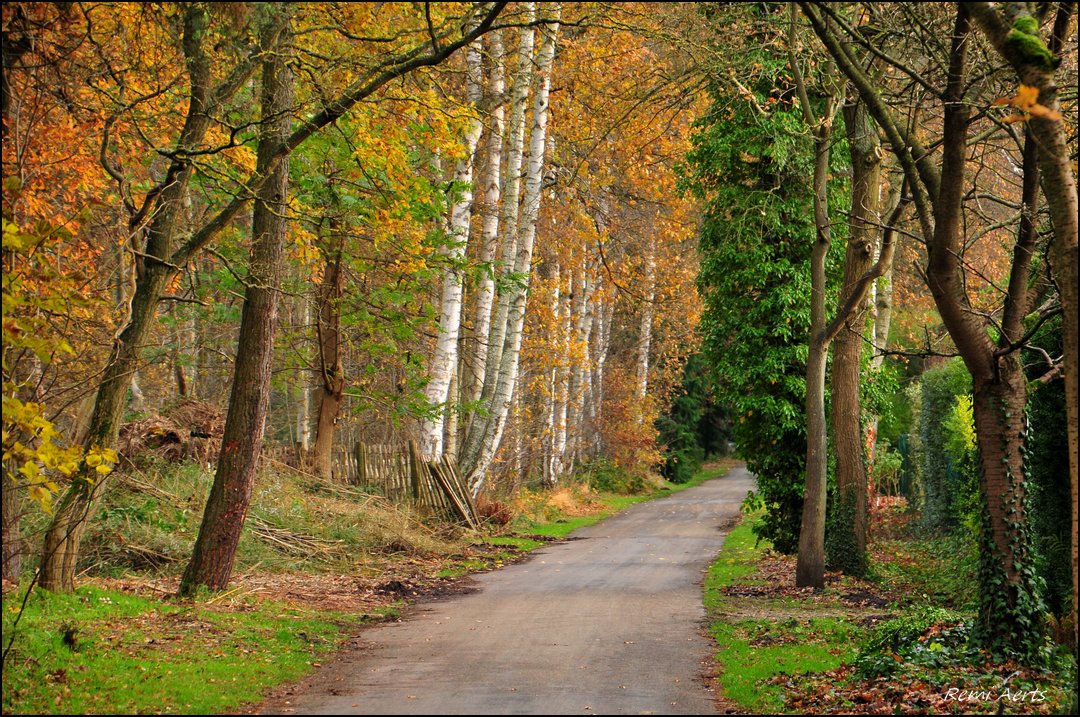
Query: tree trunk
[[154, 270], [1059, 188], [605, 314], [1008, 605], [579, 351], [12, 537], [810, 566], [215, 549], [444, 362], [479, 434], [475, 462], [331, 370], [305, 390], [648, 308], [489, 211], [851, 526], [63, 537]]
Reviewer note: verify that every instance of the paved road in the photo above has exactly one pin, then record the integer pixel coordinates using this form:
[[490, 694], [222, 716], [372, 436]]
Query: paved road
[[610, 622]]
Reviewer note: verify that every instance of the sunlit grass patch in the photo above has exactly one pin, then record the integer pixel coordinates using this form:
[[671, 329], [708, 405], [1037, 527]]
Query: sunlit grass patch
[[751, 652], [104, 651]]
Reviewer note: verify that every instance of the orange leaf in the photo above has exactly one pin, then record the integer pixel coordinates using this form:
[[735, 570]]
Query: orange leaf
[[1038, 110]]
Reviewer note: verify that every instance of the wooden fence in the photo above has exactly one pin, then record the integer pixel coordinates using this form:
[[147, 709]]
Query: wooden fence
[[401, 474]]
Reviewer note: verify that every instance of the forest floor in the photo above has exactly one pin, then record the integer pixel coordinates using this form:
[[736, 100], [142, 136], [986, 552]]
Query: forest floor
[[893, 643]]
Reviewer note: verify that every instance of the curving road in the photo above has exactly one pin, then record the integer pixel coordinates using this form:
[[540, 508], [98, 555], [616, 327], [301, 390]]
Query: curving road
[[609, 622]]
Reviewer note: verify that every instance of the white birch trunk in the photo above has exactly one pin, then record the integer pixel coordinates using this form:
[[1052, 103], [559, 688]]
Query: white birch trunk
[[485, 293], [515, 154], [562, 381], [443, 364], [645, 331], [303, 411], [551, 457], [478, 431], [530, 210], [577, 387], [605, 312]]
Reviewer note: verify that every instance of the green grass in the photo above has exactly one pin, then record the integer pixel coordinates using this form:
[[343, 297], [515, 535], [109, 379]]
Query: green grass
[[753, 651], [750, 652], [778, 650], [129, 654], [738, 559]]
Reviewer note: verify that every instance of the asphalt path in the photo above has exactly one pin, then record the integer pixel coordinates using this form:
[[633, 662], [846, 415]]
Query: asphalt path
[[608, 622]]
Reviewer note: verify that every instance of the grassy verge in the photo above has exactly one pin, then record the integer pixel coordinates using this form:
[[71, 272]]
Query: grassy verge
[[896, 643], [106, 651], [763, 633]]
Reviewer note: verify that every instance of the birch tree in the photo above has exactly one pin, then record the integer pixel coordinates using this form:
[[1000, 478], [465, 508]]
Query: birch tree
[[444, 362], [486, 434]]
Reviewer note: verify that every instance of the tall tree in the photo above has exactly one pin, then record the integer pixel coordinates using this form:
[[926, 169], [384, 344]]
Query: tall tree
[[849, 530], [1015, 34], [486, 435], [444, 360], [810, 567], [241, 443], [330, 368], [161, 211], [164, 251]]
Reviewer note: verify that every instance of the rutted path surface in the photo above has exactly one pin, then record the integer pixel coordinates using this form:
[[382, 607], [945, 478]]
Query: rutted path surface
[[609, 622]]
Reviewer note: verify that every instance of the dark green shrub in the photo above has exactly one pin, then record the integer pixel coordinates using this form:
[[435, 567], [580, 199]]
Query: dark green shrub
[[603, 475], [1047, 466]]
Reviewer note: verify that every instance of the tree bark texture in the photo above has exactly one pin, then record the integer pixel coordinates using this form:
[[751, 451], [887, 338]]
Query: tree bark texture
[[331, 369], [474, 448], [444, 361], [489, 233], [810, 564], [226, 509], [12, 538], [1059, 188], [851, 484], [999, 390], [480, 449]]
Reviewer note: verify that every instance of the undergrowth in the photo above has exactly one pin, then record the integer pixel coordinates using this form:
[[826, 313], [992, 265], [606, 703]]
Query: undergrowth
[[898, 642]]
